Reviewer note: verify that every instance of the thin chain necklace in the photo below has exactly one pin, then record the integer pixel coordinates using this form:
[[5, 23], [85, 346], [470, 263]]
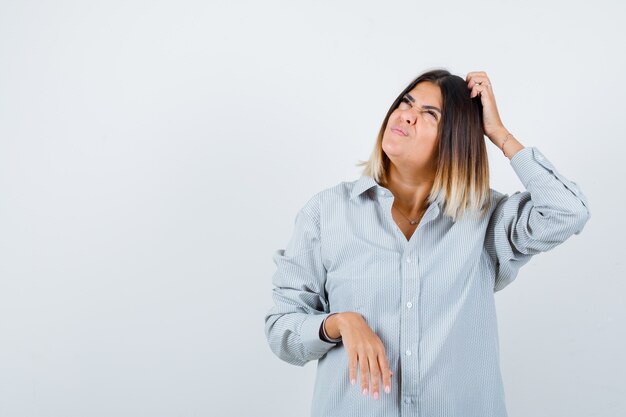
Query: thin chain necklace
[[414, 221]]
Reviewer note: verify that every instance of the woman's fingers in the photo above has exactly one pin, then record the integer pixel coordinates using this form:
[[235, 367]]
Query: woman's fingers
[[483, 87], [363, 366], [386, 373], [379, 369], [374, 374], [476, 90], [473, 79], [352, 362], [475, 76]]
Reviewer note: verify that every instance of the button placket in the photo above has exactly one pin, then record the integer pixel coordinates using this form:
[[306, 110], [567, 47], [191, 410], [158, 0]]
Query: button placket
[[409, 340]]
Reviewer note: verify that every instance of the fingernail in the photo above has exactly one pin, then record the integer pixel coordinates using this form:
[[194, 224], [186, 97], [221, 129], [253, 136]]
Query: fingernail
[[375, 395], [353, 381], [364, 391], [387, 389]]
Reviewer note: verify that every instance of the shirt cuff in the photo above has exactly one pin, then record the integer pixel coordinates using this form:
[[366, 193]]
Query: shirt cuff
[[310, 334], [526, 164], [324, 336]]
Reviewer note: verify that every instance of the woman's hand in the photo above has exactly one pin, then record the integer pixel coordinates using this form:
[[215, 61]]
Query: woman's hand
[[364, 347], [479, 84]]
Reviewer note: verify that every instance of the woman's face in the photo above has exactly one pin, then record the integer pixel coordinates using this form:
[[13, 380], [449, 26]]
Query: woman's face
[[410, 138]]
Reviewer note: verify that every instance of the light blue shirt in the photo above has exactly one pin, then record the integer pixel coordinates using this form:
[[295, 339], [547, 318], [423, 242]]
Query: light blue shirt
[[430, 299]]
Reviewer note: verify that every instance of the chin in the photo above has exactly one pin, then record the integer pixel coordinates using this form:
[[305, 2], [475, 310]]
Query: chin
[[393, 150]]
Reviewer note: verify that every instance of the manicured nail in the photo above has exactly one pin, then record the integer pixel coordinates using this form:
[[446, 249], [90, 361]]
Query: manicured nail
[[387, 389], [375, 395], [364, 391], [353, 381]]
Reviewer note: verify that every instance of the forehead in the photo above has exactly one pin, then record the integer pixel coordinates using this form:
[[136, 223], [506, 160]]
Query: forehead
[[427, 93]]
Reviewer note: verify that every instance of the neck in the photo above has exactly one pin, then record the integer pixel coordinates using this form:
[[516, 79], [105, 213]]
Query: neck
[[410, 188]]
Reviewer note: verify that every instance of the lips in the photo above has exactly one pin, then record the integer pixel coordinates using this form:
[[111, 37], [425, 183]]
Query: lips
[[399, 131]]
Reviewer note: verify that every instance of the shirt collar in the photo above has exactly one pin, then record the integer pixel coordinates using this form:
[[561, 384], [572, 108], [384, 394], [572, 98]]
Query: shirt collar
[[365, 182]]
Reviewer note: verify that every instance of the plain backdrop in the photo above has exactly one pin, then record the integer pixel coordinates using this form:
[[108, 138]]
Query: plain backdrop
[[153, 155]]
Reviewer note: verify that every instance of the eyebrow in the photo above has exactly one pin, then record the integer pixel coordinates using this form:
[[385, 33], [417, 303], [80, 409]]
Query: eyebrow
[[426, 106]]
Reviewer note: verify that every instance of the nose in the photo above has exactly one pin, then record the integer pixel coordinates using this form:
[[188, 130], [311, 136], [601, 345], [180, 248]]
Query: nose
[[408, 116]]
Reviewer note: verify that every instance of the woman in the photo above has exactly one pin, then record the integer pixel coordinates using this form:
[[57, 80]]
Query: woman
[[391, 278]]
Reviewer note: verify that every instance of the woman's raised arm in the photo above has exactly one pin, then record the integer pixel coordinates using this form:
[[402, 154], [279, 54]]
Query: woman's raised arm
[[551, 210]]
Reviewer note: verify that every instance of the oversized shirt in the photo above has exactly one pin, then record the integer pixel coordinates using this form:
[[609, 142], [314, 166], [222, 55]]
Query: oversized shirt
[[430, 299]]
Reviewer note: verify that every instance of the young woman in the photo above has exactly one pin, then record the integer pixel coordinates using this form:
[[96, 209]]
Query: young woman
[[389, 280]]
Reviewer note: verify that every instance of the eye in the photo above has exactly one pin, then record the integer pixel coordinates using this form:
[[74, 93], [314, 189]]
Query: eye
[[406, 101], [432, 113]]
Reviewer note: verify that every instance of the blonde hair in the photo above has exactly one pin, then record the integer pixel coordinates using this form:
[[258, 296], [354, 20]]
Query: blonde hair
[[462, 177]]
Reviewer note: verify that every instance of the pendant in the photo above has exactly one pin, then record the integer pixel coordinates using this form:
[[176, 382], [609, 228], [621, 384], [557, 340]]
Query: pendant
[[413, 222]]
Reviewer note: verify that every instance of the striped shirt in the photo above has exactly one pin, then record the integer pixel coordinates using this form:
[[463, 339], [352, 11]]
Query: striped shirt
[[430, 298]]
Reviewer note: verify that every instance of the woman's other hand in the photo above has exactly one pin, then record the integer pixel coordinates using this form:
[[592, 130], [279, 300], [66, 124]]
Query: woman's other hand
[[364, 349], [479, 84]]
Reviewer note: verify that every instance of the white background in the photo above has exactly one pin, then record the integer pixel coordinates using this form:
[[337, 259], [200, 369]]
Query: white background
[[153, 155]]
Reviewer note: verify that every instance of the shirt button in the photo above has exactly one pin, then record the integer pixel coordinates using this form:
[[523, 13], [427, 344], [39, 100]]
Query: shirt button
[[408, 260], [409, 304], [407, 400], [408, 353]]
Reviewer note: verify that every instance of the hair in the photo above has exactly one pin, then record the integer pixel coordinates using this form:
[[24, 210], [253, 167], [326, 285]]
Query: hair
[[462, 177]]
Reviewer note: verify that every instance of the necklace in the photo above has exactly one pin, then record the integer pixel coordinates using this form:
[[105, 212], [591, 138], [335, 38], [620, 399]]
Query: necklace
[[414, 221]]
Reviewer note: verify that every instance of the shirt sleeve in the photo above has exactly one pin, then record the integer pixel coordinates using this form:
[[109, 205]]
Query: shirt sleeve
[[300, 304], [536, 220]]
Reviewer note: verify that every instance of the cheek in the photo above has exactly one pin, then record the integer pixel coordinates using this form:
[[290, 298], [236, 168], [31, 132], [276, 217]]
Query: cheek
[[429, 137], [431, 122], [427, 125]]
